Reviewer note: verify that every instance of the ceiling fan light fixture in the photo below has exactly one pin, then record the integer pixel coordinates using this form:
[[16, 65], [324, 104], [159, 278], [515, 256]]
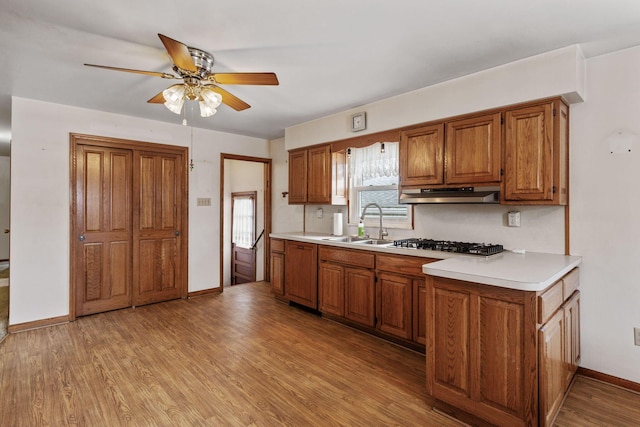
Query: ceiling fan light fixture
[[209, 101], [206, 110], [174, 98]]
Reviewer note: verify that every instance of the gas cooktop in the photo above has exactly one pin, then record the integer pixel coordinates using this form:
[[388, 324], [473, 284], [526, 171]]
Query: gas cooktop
[[449, 246]]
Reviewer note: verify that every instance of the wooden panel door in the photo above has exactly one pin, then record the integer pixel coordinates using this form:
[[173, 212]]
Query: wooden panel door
[[422, 156], [359, 299], [331, 288], [552, 370], [450, 344], [301, 282], [502, 367], [103, 222], [158, 180], [572, 336], [319, 175], [277, 273], [473, 150], [393, 300], [297, 176], [419, 311], [529, 165]]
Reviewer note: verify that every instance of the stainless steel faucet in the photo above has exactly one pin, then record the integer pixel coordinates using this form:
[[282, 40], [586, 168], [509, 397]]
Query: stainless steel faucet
[[381, 232]]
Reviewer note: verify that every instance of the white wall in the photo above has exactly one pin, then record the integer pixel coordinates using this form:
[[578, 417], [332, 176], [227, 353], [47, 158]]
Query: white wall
[[240, 175], [605, 214], [556, 73], [5, 193], [40, 197]]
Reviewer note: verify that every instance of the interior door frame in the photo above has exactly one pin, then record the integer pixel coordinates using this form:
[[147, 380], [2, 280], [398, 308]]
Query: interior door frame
[[267, 210], [76, 139]]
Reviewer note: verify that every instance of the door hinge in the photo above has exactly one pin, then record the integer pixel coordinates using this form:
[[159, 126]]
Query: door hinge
[[501, 171], [553, 189], [554, 112], [501, 120]]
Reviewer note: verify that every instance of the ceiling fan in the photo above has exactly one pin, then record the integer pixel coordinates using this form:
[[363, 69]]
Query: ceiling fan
[[194, 66]]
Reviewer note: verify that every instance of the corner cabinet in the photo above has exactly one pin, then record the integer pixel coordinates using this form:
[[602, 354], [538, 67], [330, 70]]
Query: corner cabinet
[[317, 176], [536, 154], [504, 356]]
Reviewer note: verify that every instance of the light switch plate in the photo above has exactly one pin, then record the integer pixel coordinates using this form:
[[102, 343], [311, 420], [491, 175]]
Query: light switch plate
[[636, 336]]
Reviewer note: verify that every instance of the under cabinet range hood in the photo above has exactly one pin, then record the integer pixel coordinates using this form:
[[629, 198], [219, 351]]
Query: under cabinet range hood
[[450, 195]]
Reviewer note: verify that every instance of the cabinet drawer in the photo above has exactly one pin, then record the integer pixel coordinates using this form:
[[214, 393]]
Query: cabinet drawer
[[550, 301], [409, 265], [355, 258], [277, 245], [571, 282]]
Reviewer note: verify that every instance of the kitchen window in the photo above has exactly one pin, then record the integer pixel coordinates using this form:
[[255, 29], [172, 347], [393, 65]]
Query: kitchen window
[[374, 178]]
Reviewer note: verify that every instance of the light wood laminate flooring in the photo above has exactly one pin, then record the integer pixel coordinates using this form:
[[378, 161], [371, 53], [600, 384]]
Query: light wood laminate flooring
[[236, 358]]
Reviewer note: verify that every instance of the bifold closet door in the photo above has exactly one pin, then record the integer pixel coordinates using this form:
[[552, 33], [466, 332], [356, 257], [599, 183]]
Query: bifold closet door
[[103, 232], [157, 237]]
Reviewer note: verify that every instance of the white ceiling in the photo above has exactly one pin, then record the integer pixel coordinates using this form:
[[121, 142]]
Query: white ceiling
[[329, 55]]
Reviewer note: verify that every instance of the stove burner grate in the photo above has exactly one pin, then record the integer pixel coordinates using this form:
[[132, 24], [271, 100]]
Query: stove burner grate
[[450, 246]]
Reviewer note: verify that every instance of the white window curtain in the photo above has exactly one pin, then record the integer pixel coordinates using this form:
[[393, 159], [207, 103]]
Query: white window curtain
[[370, 166], [374, 178], [242, 233]]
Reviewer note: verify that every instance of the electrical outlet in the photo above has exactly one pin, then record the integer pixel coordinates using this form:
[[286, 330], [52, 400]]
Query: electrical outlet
[[319, 213], [513, 219], [636, 336]]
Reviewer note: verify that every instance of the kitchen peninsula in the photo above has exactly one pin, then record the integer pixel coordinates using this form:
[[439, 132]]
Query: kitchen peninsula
[[501, 333]]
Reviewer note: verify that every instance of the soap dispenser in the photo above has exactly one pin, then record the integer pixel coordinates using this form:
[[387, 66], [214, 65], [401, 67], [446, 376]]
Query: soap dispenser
[[360, 228]]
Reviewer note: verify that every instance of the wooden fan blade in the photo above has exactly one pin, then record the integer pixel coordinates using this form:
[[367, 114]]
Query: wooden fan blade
[[246, 78], [158, 99], [231, 100], [128, 70], [179, 53]]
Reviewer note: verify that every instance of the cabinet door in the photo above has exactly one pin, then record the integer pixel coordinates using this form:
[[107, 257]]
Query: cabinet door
[[301, 265], [552, 367], [419, 311], [473, 150], [298, 176], [393, 296], [331, 288], [529, 154], [359, 295], [319, 175], [572, 336], [422, 156], [277, 273]]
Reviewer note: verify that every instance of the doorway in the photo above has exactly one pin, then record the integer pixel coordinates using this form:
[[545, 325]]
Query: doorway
[[129, 224], [243, 237], [243, 175]]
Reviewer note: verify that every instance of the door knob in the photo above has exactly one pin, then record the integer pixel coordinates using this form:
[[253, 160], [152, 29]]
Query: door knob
[[81, 238], [177, 233]]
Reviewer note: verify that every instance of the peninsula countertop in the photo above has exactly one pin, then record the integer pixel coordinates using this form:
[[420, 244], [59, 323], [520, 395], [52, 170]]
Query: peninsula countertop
[[530, 271]]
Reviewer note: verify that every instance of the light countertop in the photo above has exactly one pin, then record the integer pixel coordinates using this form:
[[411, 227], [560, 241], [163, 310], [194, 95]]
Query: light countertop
[[531, 271]]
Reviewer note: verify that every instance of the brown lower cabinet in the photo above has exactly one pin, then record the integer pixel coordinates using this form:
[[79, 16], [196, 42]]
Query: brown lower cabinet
[[501, 355], [277, 267], [300, 277]]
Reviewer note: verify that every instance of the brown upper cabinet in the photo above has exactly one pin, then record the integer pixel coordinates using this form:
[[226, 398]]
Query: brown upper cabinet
[[317, 176], [472, 154], [422, 156], [466, 153], [536, 154]]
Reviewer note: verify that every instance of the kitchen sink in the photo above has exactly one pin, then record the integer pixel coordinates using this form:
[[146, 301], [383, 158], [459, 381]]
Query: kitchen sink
[[349, 239], [376, 242]]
